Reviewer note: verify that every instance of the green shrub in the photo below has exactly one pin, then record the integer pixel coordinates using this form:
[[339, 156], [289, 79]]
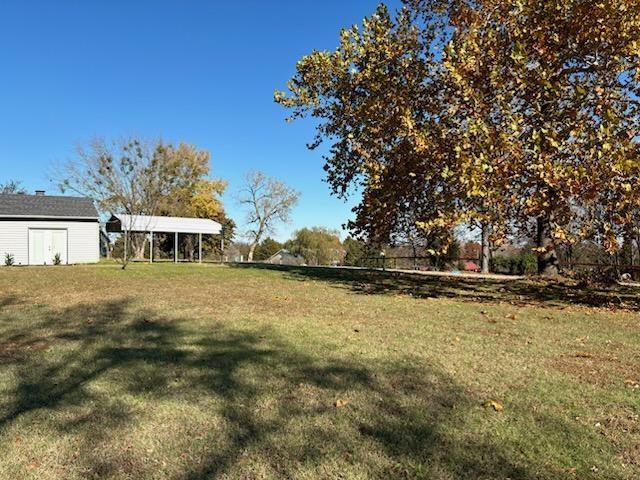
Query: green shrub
[[529, 263], [500, 264], [57, 260], [8, 259], [525, 263]]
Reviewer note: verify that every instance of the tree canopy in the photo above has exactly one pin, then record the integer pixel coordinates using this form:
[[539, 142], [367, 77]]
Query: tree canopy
[[522, 115]]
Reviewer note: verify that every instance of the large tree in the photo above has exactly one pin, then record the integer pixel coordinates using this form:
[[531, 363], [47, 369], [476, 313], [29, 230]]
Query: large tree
[[268, 202], [520, 116], [144, 177], [196, 196]]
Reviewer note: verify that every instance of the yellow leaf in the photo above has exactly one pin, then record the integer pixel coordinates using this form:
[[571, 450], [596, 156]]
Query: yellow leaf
[[497, 406]]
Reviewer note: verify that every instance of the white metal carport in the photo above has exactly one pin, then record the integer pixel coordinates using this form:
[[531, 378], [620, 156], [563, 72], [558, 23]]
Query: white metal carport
[[154, 224]]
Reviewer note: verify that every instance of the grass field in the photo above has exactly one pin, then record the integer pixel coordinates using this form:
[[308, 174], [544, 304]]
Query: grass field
[[191, 372]]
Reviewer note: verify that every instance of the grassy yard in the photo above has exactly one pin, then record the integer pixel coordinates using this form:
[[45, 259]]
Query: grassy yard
[[190, 372]]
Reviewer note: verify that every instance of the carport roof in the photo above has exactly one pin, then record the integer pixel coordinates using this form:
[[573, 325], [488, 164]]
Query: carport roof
[[144, 223]]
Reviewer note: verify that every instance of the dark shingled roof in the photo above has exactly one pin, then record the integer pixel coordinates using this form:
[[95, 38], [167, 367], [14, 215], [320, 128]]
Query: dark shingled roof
[[17, 205]]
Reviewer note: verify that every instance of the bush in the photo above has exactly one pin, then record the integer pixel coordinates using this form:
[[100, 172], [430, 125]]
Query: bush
[[8, 259], [57, 260], [529, 263], [525, 263]]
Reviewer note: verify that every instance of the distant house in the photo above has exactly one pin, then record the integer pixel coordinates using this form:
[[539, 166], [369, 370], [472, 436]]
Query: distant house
[[34, 229], [284, 257]]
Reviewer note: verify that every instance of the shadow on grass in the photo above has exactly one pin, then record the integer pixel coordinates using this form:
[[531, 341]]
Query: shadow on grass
[[519, 292], [94, 371]]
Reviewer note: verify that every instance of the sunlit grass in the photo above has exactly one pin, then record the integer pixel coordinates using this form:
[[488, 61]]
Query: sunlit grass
[[187, 371]]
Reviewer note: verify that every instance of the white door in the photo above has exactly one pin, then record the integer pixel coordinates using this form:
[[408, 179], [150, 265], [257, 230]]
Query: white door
[[44, 245]]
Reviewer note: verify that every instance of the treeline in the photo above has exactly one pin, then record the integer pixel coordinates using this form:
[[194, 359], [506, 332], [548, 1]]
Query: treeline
[[313, 246], [322, 246]]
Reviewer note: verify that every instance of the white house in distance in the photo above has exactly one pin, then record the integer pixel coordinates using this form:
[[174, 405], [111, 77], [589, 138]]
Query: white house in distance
[[34, 228]]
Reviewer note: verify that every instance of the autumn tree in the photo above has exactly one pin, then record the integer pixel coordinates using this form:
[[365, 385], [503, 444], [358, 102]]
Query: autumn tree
[[196, 195], [562, 78], [268, 202], [520, 117], [143, 177], [378, 97]]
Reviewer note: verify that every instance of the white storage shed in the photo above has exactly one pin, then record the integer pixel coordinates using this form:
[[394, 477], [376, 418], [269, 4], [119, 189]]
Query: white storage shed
[[34, 229]]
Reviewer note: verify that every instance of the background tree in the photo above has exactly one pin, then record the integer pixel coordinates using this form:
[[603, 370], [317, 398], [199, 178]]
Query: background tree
[[196, 196], [355, 252], [11, 187], [266, 248], [143, 177], [268, 202], [318, 246]]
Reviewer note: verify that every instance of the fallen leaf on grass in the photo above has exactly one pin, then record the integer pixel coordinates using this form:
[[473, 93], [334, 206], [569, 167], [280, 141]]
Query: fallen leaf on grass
[[584, 355], [632, 382], [340, 403], [497, 406], [512, 316]]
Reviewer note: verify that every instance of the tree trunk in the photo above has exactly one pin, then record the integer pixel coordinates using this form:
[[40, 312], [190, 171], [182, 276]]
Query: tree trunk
[[547, 258], [252, 249], [485, 248], [189, 247], [138, 245], [415, 260]]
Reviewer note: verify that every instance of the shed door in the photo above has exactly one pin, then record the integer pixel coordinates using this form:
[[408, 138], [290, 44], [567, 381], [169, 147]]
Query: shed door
[[45, 244]]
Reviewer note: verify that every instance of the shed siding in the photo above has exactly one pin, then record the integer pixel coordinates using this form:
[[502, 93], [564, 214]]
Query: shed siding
[[82, 238]]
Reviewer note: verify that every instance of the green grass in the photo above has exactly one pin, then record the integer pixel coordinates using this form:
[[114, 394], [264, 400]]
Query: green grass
[[190, 372]]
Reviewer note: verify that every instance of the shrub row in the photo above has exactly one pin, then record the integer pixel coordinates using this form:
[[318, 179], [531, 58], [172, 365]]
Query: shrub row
[[524, 264]]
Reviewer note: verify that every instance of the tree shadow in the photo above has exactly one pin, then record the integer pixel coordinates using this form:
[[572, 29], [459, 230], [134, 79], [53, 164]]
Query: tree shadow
[[275, 401], [518, 292]]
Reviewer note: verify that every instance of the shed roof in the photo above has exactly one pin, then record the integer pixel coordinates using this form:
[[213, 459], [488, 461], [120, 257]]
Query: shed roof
[[144, 223], [46, 206]]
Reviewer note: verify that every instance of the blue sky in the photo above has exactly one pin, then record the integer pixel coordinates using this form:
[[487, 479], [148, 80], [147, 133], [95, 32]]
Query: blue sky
[[193, 71]]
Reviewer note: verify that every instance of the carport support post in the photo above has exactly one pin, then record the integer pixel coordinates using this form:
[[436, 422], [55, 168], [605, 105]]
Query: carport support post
[[151, 248], [199, 248], [175, 248]]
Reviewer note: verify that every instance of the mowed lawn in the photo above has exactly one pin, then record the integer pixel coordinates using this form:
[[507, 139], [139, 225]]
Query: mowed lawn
[[190, 372]]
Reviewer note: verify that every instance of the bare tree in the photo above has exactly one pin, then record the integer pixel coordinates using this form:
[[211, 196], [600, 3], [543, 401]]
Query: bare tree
[[129, 176], [269, 201], [12, 186]]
